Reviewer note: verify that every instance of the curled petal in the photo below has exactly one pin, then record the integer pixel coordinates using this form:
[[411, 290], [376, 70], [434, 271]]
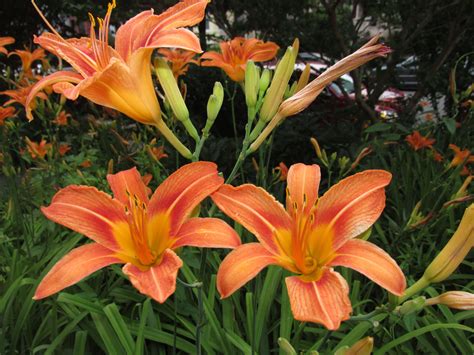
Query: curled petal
[[240, 266], [159, 281], [176, 38], [325, 301], [182, 191], [88, 211], [207, 233], [303, 185], [256, 210], [373, 262], [128, 183], [75, 266], [350, 207]]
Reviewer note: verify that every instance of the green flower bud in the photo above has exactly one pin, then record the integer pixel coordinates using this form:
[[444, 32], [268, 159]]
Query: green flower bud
[[251, 84]]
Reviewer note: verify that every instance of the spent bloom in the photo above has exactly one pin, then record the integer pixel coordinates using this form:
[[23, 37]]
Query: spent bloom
[[309, 238], [236, 53], [135, 229], [454, 299], [417, 141], [61, 118]]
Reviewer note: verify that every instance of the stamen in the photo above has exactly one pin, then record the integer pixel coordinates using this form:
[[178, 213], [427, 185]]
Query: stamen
[[45, 20]]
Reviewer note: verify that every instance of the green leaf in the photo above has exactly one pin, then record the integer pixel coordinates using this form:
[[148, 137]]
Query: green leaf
[[80, 342], [120, 327], [378, 127]]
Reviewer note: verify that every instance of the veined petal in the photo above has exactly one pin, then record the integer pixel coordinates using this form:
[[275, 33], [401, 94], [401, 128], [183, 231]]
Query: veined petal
[[176, 38], [88, 211], [303, 185], [127, 33], [159, 281], [241, 265], [256, 210], [351, 206], [373, 262], [74, 266], [184, 13], [325, 301], [182, 191], [57, 77], [128, 183], [207, 233], [263, 51]]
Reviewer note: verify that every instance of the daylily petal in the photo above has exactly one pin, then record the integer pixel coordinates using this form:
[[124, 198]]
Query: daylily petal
[[184, 13], [373, 262], [240, 266], [176, 38], [127, 34], [57, 77], [207, 233], [128, 183], [182, 191], [159, 281], [256, 210], [303, 185], [74, 266], [325, 301], [263, 51], [351, 206], [88, 211]]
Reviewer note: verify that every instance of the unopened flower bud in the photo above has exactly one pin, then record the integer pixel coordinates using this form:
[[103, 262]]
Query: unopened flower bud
[[214, 105], [454, 299], [362, 347], [251, 84], [286, 347], [264, 81], [455, 251], [412, 306]]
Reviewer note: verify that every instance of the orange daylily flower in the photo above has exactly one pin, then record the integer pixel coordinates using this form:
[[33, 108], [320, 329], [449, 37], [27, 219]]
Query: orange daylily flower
[[460, 156], [63, 149], [5, 41], [157, 153], [283, 169], [134, 229], [417, 141], [179, 59], [38, 150], [21, 96], [236, 53], [61, 118], [6, 112], [120, 77], [27, 58], [309, 238]]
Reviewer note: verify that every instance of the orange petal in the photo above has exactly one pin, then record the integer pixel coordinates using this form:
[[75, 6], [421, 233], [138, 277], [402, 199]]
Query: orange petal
[[373, 262], [263, 51], [127, 34], [128, 183], [185, 13], [325, 301], [350, 207], [88, 211], [207, 233], [303, 185], [57, 77], [256, 210], [73, 267], [240, 266], [182, 191], [159, 281], [176, 38]]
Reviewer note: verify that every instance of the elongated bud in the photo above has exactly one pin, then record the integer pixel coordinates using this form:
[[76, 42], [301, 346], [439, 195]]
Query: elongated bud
[[454, 299], [214, 105], [286, 347], [304, 78], [251, 84], [316, 147], [455, 251], [279, 83], [264, 81], [173, 95], [362, 347], [462, 192]]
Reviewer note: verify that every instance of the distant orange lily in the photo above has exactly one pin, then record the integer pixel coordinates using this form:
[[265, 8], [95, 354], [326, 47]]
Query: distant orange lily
[[121, 78], [61, 118], [417, 141], [6, 112], [158, 153], [136, 230], [283, 169], [21, 96], [460, 156], [38, 150], [179, 59], [27, 58], [5, 41], [309, 238], [63, 149], [236, 53]]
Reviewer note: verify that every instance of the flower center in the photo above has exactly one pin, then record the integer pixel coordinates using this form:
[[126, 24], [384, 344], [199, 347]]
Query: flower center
[[100, 46]]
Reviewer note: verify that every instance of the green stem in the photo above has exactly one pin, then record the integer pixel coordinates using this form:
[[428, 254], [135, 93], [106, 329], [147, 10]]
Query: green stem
[[172, 139], [418, 286]]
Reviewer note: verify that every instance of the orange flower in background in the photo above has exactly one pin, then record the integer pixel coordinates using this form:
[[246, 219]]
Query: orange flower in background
[[417, 141], [120, 77], [460, 156], [236, 53], [312, 236], [179, 59], [5, 41], [136, 230], [27, 58], [6, 112], [38, 150], [158, 153], [21, 94], [86, 164], [61, 118], [437, 156], [64, 148], [283, 169]]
